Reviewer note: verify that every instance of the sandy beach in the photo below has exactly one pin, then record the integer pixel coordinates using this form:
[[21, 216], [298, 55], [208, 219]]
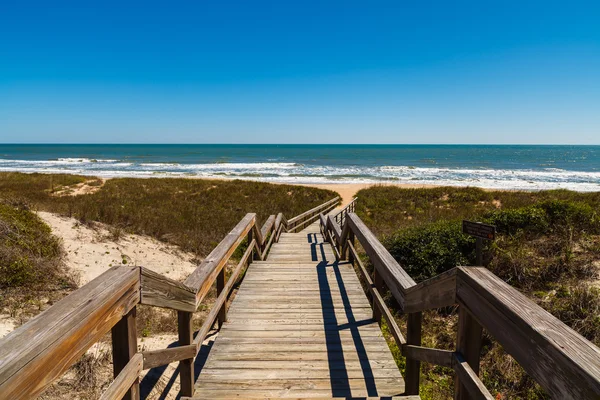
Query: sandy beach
[[348, 191]]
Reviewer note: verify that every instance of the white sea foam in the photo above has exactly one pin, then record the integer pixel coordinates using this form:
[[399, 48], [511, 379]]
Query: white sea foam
[[547, 178]]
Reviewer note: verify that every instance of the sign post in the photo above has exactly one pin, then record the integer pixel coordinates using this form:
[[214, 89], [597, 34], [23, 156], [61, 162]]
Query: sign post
[[481, 232]]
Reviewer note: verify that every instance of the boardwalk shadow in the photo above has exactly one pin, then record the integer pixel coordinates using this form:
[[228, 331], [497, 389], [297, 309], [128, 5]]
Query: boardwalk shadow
[[339, 376]]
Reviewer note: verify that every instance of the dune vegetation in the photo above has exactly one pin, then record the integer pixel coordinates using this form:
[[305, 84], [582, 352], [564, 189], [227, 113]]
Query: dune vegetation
[[192, 213], [548, 246]]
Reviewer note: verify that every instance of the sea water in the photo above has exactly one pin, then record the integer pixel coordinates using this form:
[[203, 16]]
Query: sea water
[[488, 166]]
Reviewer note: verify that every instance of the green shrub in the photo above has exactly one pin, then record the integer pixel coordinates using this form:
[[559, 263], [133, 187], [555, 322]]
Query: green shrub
[[431, 249], [29, 254], [531, 218]]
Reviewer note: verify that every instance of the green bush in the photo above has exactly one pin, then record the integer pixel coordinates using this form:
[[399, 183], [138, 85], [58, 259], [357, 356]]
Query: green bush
[[431, 249], [531, 218], [29, 253]]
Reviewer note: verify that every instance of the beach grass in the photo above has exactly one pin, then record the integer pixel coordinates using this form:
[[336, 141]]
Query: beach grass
[[195, 214]]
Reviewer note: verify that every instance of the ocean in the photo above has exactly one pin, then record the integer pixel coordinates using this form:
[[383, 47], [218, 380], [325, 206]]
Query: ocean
[[497, 166]]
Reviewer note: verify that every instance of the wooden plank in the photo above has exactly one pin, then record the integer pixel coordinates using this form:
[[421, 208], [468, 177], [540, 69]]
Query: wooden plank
[[437, 292], [345, 355], [269, 347], [127, 378], [203, 277], [563, 362], [445, 358], [331, 338], [314, 365], [124, 348], [292, 384], [157, 358], [295, 373], [160, 291], [38, 352], [282, 393], [470, 380]]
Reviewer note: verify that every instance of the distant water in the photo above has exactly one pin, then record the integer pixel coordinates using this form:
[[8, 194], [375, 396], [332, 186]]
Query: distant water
[[502, 167]]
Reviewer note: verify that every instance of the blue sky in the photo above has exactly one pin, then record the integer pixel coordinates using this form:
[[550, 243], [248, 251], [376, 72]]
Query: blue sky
[[300, 72]]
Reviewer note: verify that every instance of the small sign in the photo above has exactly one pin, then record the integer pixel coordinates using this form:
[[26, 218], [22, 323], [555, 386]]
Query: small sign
[[480, 230]]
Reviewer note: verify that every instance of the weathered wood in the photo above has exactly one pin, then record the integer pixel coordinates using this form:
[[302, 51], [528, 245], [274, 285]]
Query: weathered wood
[[299, 322], [379, 285], [468, 344], [389, 318], [436, 292], [124, 348], [221, 299], [395, 278], [267, 226], [222, 315], [313, 211], [203, 277], [38, 352], [157, 358], [413, 367], [563, 362], [469, 379], [160, 291], [445, 358], [128, 377], [186, 366]]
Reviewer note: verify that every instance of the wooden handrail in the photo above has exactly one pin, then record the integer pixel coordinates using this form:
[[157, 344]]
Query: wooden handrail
[[38, 352], [349, 208], [564, 363]]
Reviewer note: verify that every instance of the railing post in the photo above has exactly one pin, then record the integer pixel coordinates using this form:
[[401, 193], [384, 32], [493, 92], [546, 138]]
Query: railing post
[[413, 367], [186, 367], [350, 256], [468, 343], [124, 347], [222, 317], [249, 239], [378, 282]]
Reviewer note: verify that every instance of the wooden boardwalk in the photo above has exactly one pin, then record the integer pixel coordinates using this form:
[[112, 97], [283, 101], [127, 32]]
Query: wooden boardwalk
[[300, 326]]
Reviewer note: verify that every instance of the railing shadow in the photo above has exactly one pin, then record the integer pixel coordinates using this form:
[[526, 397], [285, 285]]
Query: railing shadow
[[339, 378]]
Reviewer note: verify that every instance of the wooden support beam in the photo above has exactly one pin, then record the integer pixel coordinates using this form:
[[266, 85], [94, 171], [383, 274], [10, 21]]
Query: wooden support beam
[[445, 358], [472, 385], [222, 317], [124, 348], [413, 367], [186, 367], [468, 343], [157, 358], [129, 376]]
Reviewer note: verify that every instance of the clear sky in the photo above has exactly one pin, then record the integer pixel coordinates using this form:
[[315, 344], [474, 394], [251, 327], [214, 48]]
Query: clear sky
[[300, 71]]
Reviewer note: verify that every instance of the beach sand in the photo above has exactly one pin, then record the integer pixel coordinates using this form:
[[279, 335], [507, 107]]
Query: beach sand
[[348, 191]]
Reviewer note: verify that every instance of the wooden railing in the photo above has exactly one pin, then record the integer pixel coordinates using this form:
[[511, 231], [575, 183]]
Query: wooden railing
[[340, 217], [39, 352], [564, 363]]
